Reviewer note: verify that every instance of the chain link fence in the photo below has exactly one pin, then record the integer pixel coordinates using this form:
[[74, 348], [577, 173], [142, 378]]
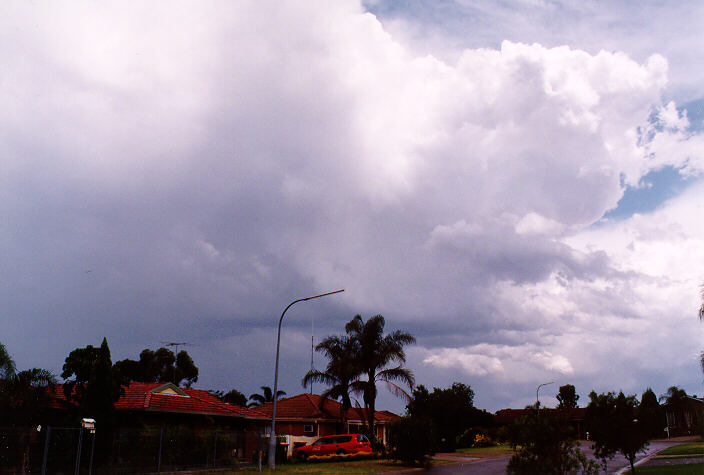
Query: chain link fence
[[71, 450]]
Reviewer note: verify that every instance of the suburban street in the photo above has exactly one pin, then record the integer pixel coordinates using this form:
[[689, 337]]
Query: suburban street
[[496, 465]]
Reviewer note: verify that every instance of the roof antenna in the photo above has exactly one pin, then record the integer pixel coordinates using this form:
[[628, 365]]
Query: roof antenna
[[312, 368], [175, 344]]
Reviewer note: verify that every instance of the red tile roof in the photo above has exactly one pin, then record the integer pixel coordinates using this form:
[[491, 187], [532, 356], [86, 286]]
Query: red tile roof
[[144, 397], [307, 406]]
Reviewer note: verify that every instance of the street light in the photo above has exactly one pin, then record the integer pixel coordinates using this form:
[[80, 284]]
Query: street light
[[537, 402], [272, 436]]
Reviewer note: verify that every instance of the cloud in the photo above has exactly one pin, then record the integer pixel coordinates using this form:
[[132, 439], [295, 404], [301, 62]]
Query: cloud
[[503, 361], [210, 165]]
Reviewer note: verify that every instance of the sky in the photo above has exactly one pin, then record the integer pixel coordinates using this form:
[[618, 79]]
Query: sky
[[517, 184]]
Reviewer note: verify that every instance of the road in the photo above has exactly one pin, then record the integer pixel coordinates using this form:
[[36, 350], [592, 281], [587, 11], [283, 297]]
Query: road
[[497, 465]]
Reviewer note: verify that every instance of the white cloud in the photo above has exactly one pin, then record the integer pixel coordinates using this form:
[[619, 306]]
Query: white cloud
[[533, 223], [499, 361], [470, 363]]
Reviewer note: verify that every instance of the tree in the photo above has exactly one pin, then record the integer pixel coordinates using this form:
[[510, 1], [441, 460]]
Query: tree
[[651, 415], [23, 395], [451, 411], [613, 426], [231, 397], [544, 443], [7, 364], [411, 439], [674, 397], [23, 400], [374, 352], [340, 374], [567, 397], [93, 383], [160, 366], [265, 397]]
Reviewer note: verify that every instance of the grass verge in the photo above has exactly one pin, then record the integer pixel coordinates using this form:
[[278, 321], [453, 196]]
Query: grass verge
[[357, 466], [494, 450], [683, 469], [690, 448]]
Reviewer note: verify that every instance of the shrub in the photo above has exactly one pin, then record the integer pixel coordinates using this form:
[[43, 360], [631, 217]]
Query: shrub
[[544, 444], [411, 440], [481, 440]]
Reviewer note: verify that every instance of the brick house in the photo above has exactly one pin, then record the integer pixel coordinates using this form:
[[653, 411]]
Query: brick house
[[685, 418], [306, 417], [159, 407], [156, 407]]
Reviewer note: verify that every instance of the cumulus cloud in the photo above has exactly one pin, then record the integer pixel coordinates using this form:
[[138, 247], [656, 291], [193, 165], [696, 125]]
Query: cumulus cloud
[[208, 166], [504, 361]]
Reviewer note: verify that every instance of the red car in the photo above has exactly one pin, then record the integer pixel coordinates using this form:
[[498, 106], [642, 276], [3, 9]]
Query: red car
[[335, 444]]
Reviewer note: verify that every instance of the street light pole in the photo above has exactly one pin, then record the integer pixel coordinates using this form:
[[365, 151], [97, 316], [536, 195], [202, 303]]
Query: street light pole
[[272, 437], [537, 402]]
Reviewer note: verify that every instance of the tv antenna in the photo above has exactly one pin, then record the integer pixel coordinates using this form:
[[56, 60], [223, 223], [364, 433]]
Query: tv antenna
[[175, 344], [312, 348]]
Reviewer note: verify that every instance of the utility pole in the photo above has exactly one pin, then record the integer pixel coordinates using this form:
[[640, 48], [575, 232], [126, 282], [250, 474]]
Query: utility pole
[[272, 436]]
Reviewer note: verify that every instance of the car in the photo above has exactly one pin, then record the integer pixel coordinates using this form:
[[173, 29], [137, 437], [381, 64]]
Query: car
[[335, 444]]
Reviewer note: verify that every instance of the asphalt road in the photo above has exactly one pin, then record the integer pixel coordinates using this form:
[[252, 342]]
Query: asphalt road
[[497, 465]]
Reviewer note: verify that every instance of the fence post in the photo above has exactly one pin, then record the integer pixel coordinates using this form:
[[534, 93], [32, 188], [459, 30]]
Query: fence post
[[161, 437], [46, 449], [78, 454], [215, 446], [92, 451]]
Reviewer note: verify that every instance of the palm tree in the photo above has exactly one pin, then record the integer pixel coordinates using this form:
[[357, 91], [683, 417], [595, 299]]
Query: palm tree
[[340, 374], [265, 397], [28, 395], [674, 396], [374, 352], [7, 365], [23, 394]]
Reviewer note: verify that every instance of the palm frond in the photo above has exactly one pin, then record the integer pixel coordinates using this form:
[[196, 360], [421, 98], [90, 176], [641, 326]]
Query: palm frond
[[316, 376], [398, 373], [398, 391]]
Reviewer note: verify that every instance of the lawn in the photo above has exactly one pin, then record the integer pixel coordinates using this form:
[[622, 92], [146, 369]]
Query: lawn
[[356, 466], [494, 450], [693, 469], [692, 448]]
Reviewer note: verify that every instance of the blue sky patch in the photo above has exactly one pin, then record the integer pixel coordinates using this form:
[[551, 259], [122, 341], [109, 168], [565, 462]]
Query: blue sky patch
[[656, 187]]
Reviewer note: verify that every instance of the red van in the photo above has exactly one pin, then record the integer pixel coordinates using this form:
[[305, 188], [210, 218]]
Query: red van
[[335, 444]]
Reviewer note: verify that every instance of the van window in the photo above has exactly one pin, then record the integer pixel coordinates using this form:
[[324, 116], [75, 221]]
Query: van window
[[362, 438], [344, 439]]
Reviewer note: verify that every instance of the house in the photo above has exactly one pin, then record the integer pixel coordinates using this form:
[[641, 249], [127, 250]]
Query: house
[[157, 414], [153, 403], [307, 417], [166, 411], [685, 417]]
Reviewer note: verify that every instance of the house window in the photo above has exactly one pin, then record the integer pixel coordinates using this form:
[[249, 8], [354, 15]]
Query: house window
[[308, 428]]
